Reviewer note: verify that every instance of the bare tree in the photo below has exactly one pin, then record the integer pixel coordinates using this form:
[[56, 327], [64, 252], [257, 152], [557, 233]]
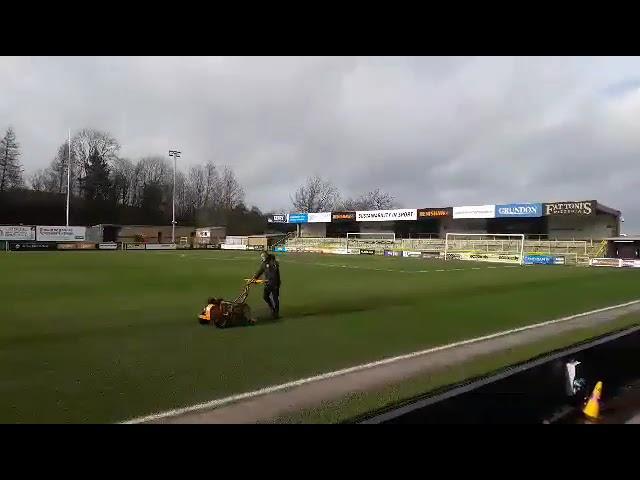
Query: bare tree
[[231, 192], [150, 181], [212, 186], [183, 206], [376, 200], [57, 171], [350, 204], [38, 180], [10, 167], [123, 178], [373, 200], [316, 195], [196, 185], [155, 170]]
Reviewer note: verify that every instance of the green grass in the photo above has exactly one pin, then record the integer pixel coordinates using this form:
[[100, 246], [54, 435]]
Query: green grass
[[105, 336], [357, 404]]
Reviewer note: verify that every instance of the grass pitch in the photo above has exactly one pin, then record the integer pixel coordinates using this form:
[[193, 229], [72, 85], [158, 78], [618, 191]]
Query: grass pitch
[[106, 336]]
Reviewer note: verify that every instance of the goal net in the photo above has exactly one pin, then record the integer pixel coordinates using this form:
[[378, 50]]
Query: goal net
[[481, 247]]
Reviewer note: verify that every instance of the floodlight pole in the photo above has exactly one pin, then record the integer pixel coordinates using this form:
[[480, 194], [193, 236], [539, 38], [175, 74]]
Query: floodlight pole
[[68, 175], [175, 154]]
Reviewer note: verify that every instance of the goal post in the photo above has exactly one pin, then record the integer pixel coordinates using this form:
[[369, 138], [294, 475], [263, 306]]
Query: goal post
[[484, 247]]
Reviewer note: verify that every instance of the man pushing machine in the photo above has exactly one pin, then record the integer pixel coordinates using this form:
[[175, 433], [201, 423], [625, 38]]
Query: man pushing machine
[[271, 271]]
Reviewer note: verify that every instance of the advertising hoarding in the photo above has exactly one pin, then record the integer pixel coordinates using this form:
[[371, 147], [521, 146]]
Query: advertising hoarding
[[298, 218], [386, 215], [475, 211], [277, 218], [60, 234], [31, 246], [605, 262], [319, 217], [160, 246], [426, 213], [17, 233], [343, 216], [519, 210], [227, 246], [570, 208]]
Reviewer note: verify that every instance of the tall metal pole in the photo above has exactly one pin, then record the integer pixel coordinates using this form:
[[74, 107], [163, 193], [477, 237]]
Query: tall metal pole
[[173, 221], [68, 176], [175, 154]]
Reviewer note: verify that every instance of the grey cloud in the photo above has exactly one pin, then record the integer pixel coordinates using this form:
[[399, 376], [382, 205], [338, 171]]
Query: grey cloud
[[432, 131]]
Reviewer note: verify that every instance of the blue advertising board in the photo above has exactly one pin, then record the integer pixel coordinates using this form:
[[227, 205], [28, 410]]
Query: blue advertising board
[[280, 249], [298, 218], [521, 210], [539, 260]]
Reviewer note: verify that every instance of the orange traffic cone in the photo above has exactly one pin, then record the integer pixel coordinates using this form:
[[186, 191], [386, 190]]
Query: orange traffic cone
[[592, 408]]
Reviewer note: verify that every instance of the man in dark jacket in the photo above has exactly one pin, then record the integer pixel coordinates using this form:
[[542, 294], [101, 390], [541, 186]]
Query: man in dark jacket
[[271, 271]]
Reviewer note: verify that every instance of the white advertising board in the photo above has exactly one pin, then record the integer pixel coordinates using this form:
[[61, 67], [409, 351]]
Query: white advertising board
[[387, 215], [485, 257], [107, 246], [60, 234], [605, 262], [475, 211], [320, 217], [227, 246], [160, 246], [345, 251], [17, 232]]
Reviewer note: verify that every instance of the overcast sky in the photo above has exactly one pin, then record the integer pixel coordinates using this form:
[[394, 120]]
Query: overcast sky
[[433, 131]]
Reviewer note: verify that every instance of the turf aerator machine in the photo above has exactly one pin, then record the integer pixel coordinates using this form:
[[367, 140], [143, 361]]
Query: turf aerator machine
[[223, 314]]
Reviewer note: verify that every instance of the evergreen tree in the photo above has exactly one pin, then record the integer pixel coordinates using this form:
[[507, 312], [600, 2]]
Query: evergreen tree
[[97, 183], [10, 167]]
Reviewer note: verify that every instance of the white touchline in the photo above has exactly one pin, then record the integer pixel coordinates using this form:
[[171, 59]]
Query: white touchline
[[296, 383]]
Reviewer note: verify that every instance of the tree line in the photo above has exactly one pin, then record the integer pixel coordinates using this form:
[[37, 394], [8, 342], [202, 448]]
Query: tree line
[[321, 195], [106, 187]]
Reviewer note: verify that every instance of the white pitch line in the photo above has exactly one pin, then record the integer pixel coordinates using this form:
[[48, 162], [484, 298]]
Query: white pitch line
[[356, 267], [336, 373], [199, 256], [353, 267]]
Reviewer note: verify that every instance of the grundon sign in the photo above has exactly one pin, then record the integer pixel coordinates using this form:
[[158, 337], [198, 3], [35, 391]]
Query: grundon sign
[[522, 210]]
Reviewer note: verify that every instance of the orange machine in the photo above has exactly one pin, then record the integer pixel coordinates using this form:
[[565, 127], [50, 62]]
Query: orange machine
[[223, 314]]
